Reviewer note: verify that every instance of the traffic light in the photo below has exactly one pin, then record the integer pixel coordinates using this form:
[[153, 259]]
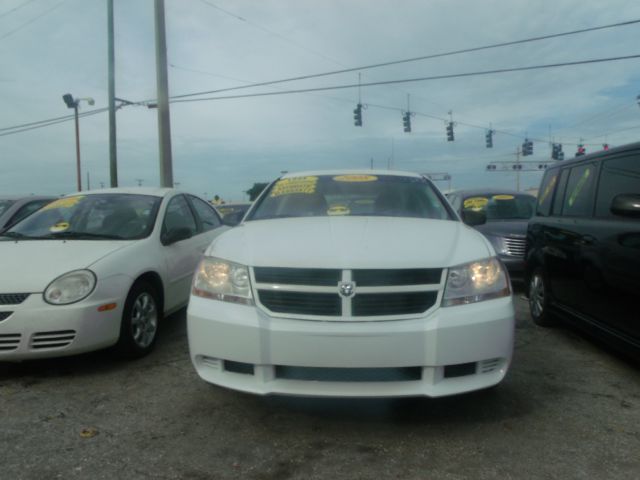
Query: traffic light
[[517, 166], [491, 167], [560, 154], [581, 150], [605, 146], [542, 166], [68, 99], [357, 115], [554, 151], [450, 136], [527, 147], [489, 138], [406, 121]]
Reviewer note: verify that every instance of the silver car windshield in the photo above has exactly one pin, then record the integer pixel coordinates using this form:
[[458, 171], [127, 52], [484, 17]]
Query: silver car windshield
[[351, 195], [88, 217], [4, 205]]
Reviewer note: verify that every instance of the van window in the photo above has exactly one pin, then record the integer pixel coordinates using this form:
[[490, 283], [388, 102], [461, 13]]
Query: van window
[[618, 176], [559, 199], [577, 198], [545, 194]]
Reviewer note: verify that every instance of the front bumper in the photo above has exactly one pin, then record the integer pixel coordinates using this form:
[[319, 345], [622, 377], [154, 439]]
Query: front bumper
[[242, 348], [35, 329]]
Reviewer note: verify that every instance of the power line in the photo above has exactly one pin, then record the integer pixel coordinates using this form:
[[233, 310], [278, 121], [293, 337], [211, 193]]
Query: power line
[[408, 60], [47, 123], [181, 99], [28, 22], [16, 8]]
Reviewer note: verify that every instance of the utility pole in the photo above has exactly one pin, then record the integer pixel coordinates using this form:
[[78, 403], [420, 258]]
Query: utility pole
[[113, 153], [164, 126], [518, 167]]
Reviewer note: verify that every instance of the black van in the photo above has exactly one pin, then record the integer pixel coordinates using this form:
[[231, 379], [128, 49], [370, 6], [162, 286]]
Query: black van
[[583, 246]]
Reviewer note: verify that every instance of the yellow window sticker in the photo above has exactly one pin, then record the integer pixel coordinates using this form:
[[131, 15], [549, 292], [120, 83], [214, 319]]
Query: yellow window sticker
[[549, 189], [579, 186], [288, 186], [338, 210], [475, 203], [67, 202], [503, 197], [355, 178], [59, 227]]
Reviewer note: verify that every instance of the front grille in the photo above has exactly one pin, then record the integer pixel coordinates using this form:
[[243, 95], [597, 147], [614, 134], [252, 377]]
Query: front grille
[[375, 293], [297, 276], [375, 304], [459, 370], [58, 339], [389, 277], [9, 341], [323, 374], [303, 303], [12, 298], [515, 247], [488, 366]]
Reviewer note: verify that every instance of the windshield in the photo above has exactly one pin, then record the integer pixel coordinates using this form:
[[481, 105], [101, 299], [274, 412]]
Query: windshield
[[225, 210], [501, 206], [351, 195], [4, 205], [102, 216]]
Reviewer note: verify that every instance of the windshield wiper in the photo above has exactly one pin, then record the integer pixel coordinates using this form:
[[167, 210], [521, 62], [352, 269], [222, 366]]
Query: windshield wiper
[[82, 236], [14, 235]]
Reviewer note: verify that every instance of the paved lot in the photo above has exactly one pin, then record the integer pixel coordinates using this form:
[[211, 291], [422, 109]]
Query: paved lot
[[568, 409]]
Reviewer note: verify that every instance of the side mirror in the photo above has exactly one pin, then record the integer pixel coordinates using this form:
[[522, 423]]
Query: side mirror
[[474, 218], [626, 205], [176, 235]]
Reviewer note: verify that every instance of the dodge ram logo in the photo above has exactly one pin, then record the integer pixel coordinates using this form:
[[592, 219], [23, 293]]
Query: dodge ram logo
[[347, 289]]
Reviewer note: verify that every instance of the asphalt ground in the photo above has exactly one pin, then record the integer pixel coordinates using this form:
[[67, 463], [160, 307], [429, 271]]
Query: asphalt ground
[[567, 409]]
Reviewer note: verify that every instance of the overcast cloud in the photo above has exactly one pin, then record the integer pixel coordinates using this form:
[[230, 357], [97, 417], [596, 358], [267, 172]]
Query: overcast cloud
[[51, 47]]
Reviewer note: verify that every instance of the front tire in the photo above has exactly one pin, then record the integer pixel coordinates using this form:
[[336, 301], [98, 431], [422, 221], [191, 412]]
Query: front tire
[[140, 320], [539, 300]]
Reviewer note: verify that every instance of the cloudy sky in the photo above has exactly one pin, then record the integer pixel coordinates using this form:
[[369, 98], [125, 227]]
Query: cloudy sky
[[223, 146]]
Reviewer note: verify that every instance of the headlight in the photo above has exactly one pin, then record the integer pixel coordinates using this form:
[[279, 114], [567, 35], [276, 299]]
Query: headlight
[[222, 280], [475, 282], [70, 287]]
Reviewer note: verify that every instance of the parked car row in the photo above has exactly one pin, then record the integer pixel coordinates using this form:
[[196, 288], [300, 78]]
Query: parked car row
[[333, 283]]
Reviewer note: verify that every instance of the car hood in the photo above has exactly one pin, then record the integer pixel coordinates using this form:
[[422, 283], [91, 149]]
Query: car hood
[[504, 228], [28, 266], [351, 242]]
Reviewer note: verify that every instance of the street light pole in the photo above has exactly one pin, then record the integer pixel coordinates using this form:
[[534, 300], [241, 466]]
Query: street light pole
[[78, 173], [73, 103]]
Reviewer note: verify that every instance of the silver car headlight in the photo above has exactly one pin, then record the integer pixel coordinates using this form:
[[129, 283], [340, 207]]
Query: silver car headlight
[[70, 287], [222, 280], [475, 282]]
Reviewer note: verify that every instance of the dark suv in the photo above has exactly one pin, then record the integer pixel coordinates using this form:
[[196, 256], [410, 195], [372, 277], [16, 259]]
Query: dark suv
[[583, 246]]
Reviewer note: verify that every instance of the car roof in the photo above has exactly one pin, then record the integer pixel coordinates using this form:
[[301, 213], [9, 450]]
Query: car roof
[[153, 191], [490, 191], [351, 172]]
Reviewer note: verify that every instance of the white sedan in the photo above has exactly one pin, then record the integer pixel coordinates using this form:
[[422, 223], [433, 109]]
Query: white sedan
[[358, 283], [98, 269]]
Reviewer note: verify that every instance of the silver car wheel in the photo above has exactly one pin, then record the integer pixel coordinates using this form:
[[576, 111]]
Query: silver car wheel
[[536, 295], [144, 320]]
